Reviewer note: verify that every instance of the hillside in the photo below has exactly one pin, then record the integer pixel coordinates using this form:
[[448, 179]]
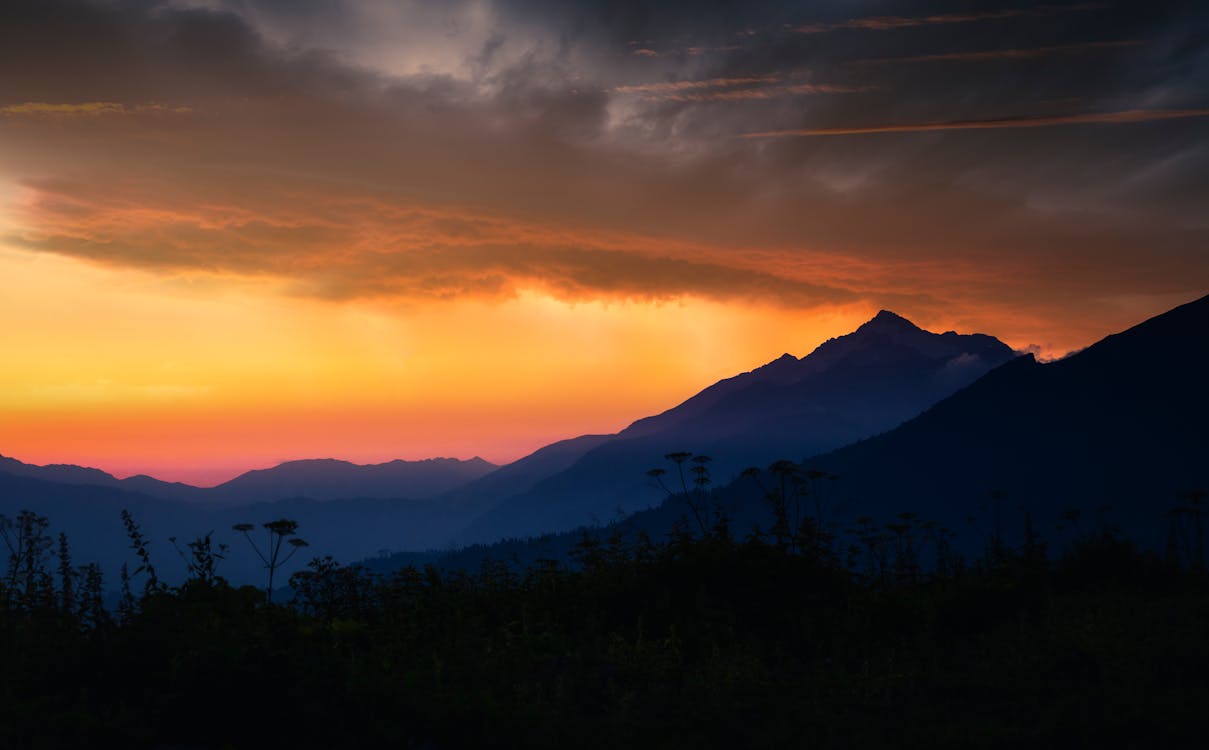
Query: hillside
[[850, 387]]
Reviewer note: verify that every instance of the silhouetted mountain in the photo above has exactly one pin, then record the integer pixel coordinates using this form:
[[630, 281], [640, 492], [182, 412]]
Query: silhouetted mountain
[[330, 479], [71, 474], [90, 515], [850, 387], [888, 347], [1123, 423], [344, 510], [473, 498], [319, 479]]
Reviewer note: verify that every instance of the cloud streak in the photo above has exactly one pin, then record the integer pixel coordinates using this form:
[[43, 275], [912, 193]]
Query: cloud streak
[[886, 23], [747, 88], [669, 87], [87, 109], [365, 204], [1026, 53], [558, 161], [755, 94], [1006, 123], [362, 247]]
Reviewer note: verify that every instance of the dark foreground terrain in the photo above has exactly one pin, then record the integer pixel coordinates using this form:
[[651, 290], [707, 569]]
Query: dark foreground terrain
[[690, 641]]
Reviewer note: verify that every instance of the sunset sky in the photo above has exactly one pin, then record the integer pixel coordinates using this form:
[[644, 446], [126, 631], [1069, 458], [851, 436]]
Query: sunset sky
[[235, 232]]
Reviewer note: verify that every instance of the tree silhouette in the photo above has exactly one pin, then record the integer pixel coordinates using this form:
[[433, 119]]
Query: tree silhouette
[[27, 581], [67, 575], [763, 627], [90, 602]]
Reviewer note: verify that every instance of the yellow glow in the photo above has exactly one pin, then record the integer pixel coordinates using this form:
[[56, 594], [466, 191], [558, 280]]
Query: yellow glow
[[195, 378]]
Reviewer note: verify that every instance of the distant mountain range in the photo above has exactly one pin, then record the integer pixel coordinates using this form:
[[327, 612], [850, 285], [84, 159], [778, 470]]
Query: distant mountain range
[[71, 474], [1116, 435], [329, 479], [932, 423], [343, 509], [90, 515], [850, 387], [317, 479]]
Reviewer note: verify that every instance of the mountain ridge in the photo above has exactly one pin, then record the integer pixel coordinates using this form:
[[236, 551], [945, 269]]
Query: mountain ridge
[[287, 479], [1121, 423], [848, 387], [580, 480], [1126, 471]]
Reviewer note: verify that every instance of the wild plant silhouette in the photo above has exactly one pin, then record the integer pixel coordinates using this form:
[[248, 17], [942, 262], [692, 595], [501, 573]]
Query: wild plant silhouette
[[280, 532], [871, 635]]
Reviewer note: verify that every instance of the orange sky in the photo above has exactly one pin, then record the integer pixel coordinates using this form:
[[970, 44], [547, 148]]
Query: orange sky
[[235, 233], [195, 379]]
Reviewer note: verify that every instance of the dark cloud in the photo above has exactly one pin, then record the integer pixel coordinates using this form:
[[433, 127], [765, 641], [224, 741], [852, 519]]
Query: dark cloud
[[886, 23], [1129, 116], [292, 138], [1028, 53], [358, 246]]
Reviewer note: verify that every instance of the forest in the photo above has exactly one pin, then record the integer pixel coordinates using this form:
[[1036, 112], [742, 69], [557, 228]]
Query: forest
[[698, 637]]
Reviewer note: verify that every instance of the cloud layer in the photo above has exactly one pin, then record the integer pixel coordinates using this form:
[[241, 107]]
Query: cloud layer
[[1003, 123], [425, 150]]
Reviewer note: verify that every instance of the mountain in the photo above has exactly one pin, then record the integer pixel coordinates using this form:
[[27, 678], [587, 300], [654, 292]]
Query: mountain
[[331, 479], [474, 498], [1117, 432], [90, 515], [1123, 423], [71, 474], [343, 510], [318, 479], [883, 373], [848, 388]]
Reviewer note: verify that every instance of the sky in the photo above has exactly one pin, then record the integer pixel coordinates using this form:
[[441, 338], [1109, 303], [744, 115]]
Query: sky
[[236, 232]]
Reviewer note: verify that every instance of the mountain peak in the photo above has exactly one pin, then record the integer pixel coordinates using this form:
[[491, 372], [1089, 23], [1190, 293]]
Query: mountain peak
[[890, 335], [889, 321]]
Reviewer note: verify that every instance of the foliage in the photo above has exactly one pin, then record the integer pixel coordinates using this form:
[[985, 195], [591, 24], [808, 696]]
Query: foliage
[[702, 640]]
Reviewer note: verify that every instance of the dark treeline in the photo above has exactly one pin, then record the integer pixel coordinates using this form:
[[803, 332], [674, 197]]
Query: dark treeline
[[698, 638]]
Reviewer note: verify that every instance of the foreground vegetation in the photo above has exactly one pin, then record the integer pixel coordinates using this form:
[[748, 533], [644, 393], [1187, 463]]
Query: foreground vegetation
[[698, 639]]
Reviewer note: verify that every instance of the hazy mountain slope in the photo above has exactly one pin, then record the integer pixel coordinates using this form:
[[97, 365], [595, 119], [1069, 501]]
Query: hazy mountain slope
[[320, 479], [71, 474], [1122, 424], [850, 387], [91, 517], [331, 479], [520, 475], [66, 473]]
